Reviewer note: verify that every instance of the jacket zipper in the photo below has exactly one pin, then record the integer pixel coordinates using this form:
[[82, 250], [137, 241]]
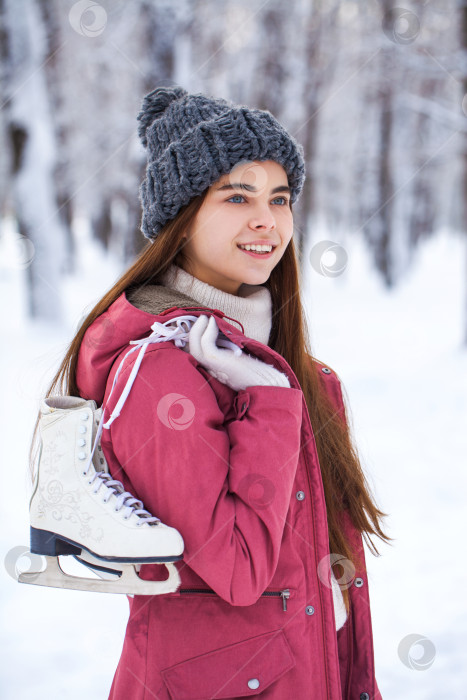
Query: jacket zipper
[[285, 594]]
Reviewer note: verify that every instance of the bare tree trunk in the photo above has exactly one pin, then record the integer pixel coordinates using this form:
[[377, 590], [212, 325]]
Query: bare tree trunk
[[160, 26], [319, 20], [377, 227], [423, 213], [383, 218], [463, 43], [33, 149], [53, 25]]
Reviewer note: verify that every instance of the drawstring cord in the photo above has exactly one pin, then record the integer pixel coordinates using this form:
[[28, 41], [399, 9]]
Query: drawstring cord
[[161, 332]]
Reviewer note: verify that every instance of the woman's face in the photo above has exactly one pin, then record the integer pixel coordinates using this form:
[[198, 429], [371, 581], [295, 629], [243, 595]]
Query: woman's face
[[251, 204]]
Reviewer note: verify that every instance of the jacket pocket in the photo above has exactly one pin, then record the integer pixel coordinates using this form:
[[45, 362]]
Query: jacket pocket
[[284, 594], [238, 670]]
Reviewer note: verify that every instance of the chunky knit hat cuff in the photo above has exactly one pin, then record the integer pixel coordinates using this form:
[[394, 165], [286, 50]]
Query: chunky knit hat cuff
[[192, 140]]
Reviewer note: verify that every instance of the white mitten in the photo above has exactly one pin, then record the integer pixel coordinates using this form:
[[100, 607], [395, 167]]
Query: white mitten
[[237, 371]]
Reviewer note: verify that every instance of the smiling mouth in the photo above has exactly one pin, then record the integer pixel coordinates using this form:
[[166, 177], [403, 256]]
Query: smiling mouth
[[265, 248], [258, 254]]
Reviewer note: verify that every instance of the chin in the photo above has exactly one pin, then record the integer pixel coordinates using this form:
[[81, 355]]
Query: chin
[[257, 277]]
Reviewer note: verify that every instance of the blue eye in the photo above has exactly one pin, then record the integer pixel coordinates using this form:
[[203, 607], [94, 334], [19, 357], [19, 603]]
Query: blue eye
[[284, 199], [235, 195]]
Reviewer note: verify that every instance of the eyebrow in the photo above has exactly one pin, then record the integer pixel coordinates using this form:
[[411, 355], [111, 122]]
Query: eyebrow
[[251, 188]]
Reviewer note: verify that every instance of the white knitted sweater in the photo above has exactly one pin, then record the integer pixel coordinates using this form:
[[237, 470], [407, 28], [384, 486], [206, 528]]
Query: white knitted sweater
[[252, 307]]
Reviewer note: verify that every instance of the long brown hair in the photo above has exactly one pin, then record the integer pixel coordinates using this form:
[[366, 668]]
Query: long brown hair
[[345, 485]]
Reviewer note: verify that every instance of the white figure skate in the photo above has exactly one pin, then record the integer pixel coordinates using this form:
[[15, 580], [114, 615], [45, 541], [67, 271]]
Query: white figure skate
[[78, 509]]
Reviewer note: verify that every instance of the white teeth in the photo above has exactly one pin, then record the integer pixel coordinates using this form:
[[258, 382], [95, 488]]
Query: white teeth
[[257, 248]]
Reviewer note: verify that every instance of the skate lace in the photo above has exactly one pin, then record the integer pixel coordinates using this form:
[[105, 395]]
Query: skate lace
[[124, 499], [161, 332], [178, 330]]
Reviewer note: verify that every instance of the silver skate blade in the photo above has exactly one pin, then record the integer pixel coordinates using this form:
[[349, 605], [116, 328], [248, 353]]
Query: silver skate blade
[[128, 583], [110, 570], [105, 572]]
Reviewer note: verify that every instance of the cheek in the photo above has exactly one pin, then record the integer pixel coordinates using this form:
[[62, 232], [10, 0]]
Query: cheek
[[213, 247], [287, 225], [228, 217], [217, 219]]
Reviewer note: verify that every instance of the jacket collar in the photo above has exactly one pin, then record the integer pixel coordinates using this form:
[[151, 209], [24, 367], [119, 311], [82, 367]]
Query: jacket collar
[[112, 331], [160, 301]]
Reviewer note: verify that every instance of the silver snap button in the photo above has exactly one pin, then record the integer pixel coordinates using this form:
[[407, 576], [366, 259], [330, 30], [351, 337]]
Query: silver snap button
[[309, 610], [300, 495], [81, 442], [82, 429], [84, 416], [358, 582], [81, 455], [364, 696], [325, 370], [253, 683]]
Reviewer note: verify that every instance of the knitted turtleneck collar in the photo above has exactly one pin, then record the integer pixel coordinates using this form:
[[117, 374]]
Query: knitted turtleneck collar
[[252, 307]]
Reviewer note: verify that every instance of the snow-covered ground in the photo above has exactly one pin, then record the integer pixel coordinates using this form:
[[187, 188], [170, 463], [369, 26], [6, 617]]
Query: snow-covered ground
[[400, 358]]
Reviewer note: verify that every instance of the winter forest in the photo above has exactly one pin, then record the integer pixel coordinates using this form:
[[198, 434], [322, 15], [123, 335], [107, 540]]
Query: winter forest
[[376, 92]]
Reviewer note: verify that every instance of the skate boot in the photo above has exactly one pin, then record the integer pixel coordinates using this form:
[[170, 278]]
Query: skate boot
[[78, 509]]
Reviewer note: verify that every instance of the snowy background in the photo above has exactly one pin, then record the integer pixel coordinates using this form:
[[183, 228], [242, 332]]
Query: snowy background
[[377, 95]]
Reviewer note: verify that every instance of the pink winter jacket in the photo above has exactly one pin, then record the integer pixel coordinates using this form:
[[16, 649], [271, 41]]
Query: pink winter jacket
[[237, 473]]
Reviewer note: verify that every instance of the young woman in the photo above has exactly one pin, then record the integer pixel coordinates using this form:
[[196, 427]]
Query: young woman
[[244, 447]]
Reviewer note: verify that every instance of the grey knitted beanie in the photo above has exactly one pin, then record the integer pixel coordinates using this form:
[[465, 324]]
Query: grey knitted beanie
[[192, 140]]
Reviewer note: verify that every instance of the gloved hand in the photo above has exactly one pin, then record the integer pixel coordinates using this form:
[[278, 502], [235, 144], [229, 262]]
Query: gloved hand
[[237, 371]]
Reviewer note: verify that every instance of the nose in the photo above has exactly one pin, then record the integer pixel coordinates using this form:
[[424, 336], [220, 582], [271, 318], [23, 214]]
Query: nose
[[262, 218]]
